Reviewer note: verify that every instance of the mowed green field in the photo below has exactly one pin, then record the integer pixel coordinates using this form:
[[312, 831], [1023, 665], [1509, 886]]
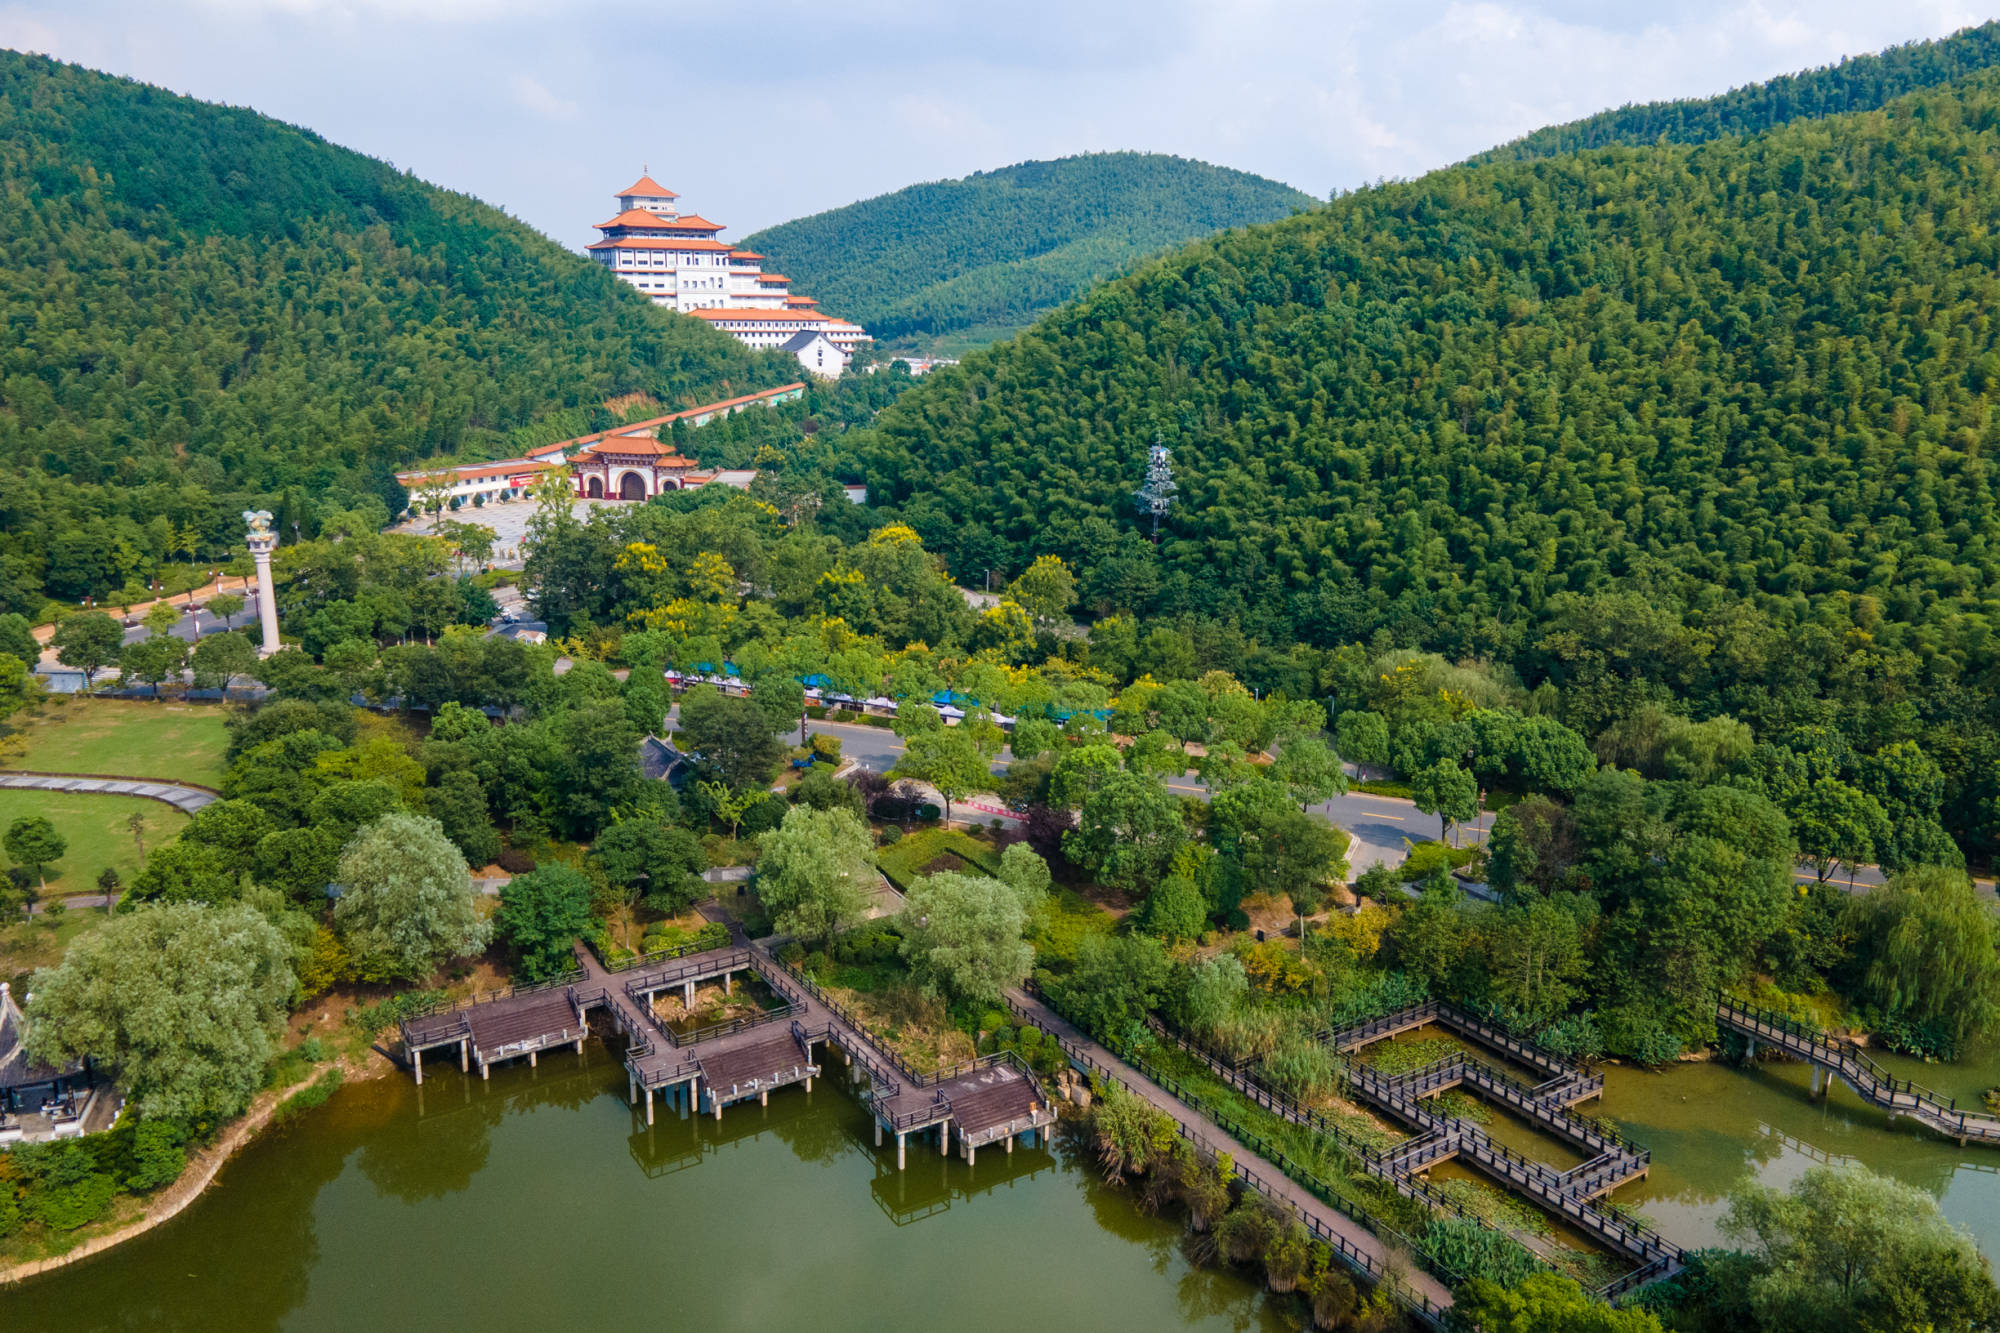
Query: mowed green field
[[123, 738], [98, 833]]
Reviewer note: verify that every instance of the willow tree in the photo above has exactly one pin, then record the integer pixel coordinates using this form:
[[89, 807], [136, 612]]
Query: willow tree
[[1928, 944]]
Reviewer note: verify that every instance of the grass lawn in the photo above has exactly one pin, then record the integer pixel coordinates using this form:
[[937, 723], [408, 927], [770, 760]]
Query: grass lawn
[[125, 738], [934, 849], [97, 832], [25, 946]]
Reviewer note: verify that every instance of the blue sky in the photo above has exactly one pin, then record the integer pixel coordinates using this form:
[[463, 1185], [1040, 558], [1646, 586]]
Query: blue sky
[[757, 113]]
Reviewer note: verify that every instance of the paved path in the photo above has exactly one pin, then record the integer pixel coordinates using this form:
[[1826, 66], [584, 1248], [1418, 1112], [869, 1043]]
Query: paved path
[[187, 799], [1274, 1182]]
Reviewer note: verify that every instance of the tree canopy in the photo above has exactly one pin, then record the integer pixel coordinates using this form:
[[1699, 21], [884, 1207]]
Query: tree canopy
[[184, 1000], [974, 259]]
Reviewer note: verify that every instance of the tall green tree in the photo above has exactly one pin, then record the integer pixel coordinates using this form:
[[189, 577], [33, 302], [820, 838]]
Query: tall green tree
[[185, 1001], [1846, 1248], [1929, 954], [965, 935], [407, 904], [88, 641], [816, 872], [35, 845], [542, 915]]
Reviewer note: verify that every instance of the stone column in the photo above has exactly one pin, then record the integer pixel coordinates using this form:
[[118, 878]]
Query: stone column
[[417, 1064], [262, 541]]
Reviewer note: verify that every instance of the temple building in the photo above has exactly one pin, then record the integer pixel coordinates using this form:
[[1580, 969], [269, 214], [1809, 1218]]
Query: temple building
[[676, 260]]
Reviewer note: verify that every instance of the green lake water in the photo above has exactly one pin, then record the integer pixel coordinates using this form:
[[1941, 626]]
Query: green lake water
[[1712, 1124], [540, 1201]]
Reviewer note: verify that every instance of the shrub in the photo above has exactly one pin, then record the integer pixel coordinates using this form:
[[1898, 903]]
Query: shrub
[[1639, 1032], [515, 861], [890, 836]]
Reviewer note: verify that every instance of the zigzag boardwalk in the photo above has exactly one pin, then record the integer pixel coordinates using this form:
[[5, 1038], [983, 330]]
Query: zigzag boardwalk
[[1425, 1296], [1833, 1058], [989, 1100], [1441, 1137]]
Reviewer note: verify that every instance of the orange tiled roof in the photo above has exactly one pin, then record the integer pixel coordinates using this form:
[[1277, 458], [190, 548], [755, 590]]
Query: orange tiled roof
[[744, 254], [638, 217], [772, 277], [635, 446], [652, 422], [693, 222], [796, 299], [648, 187], [701, 243], [719, 312]]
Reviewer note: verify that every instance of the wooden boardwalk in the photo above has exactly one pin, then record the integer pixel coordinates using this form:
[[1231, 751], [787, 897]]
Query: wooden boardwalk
[[1425, 1296], [1833, 1058], [991, 1100]]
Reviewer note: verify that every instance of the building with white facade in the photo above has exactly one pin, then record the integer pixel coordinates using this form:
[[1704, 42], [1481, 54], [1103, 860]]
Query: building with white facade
[[676, 260]]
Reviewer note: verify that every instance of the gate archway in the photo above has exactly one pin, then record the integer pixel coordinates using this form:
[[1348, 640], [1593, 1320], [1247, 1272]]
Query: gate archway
[[594, 488], [630, 487]]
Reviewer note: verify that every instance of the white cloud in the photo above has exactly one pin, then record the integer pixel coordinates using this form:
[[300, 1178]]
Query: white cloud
[[531, 95], [761, 114]]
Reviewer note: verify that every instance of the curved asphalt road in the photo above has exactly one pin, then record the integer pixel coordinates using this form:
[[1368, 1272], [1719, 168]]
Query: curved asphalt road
[[1381, 825]]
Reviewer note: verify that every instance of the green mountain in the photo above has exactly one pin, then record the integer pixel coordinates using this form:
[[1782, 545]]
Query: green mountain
[[206, 307], [957, 263], [1704, 425], [1859, 83]]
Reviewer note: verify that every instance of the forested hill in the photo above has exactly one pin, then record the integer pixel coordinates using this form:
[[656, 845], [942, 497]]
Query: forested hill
[[1859, 83], [1748, 386], [960, 262], [205, 306]]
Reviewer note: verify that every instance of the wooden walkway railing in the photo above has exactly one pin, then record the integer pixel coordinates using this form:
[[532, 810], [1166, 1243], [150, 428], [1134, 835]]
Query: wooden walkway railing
[[1339, 1226], [1870, 1081]]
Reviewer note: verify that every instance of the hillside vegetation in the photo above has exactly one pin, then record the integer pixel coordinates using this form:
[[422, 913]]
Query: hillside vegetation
[[205, 307], [1859, 83], [1704, 425], [960, 262]]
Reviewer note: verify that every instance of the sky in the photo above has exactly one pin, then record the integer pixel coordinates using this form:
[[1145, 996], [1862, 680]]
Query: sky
[[761, 112]]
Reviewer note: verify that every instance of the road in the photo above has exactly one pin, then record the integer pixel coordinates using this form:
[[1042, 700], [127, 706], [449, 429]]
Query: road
[[1381, 825]]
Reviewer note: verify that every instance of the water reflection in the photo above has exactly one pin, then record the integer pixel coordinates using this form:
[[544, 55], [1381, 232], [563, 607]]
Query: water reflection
[[528, 1203], [1713, 1125]]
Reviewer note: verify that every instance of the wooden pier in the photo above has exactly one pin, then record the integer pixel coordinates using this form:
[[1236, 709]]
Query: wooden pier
[[993, 1100]]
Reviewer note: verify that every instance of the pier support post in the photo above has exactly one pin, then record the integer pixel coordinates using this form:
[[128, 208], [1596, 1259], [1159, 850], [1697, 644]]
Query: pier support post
[[1010, 1145], [728, 983], [631, 1091], [687, 996], [809, 1085], [483, 1067], [579, 1045], [531, 1059], [899, 1152], [417, 1066], [649, 1106], [764, 1097], [944, 1138], [971, 1154], [878, 1134], [464, 1054]]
